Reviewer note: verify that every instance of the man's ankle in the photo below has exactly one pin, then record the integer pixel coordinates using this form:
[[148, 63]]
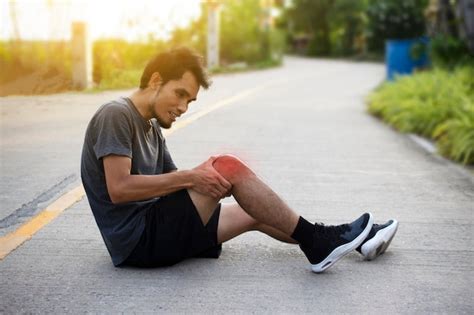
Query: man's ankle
[[303, 233]]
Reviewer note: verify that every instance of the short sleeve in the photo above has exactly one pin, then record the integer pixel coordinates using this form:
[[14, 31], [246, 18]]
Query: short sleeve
[[168, 164], [114, 132]]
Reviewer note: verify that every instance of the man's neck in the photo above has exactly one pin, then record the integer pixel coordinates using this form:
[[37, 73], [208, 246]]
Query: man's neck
[[140, 99]]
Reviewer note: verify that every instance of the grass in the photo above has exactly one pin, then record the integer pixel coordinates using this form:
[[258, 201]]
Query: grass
[[119, 79], [437, 104]]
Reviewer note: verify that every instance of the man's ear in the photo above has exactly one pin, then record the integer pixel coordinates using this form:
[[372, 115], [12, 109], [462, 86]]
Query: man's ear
[[155, 81]]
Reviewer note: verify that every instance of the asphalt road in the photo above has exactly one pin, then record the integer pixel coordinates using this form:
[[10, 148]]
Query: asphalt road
[[304, 129]]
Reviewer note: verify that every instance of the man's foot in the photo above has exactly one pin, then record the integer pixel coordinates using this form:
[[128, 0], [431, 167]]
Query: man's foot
[[332, 242], [378, 240]]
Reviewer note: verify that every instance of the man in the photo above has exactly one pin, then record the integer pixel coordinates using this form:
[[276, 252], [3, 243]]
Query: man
[[150, 214]]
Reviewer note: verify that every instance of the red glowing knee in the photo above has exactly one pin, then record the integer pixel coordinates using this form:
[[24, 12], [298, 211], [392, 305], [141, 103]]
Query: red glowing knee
[[231, 167]]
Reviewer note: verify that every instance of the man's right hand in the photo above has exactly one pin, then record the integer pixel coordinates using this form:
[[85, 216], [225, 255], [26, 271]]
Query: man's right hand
[[207, 181]]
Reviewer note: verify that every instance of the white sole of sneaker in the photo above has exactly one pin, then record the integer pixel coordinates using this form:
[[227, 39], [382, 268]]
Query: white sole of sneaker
[[343, 250], [380, 242]]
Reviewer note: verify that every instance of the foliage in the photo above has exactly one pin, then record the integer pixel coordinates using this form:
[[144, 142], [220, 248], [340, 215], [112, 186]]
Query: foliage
[[118, 64], [334, 27], [394, 19], [312, 17], [436, 104], [448, 51], [193, 36], [120, 79], [347, 23], [21, 58], [243, 37], [456, 136]]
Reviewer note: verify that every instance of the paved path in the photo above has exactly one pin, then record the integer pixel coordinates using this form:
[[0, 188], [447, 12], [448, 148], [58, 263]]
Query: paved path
[[304, 129]]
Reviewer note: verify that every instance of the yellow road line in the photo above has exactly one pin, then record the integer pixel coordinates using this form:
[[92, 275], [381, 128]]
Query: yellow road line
[[13, 240]]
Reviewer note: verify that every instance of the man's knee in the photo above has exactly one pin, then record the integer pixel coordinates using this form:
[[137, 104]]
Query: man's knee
[[231, 167]]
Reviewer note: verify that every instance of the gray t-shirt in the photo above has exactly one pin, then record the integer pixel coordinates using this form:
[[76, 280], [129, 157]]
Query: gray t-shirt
[[117, 128]]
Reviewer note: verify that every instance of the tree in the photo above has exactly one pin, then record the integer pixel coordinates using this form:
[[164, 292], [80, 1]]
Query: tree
[[312, 17], [347, 25], [241, 36], [331, 25]]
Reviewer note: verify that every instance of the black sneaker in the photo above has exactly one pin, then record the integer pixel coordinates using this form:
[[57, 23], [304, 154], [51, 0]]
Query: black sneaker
[[332, 242], [378, 240]]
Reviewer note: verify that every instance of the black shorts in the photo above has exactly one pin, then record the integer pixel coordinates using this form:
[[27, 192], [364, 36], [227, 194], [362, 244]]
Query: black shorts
[[173, 232]]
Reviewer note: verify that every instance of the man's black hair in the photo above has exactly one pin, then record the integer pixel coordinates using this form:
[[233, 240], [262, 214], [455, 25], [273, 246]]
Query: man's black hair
[[172, 64]]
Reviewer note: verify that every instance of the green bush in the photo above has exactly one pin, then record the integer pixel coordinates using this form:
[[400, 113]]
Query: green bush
[[242, 36], [118, 63], [455, 137], [325, 27], [394, 19], [18, 59], [121, 79], [436, 104], [448, 52]]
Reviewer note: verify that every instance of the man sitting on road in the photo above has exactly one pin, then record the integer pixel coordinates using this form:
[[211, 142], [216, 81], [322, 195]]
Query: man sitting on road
[[151, 214]]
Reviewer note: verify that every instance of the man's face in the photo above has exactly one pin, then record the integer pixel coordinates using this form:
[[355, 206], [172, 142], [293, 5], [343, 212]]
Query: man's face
[[172, 99]]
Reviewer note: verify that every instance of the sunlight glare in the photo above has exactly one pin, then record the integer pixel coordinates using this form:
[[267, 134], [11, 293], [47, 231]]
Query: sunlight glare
[[130, 20]]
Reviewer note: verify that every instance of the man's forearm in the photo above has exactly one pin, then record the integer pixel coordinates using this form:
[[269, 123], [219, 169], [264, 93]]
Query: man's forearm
[[143, 187]]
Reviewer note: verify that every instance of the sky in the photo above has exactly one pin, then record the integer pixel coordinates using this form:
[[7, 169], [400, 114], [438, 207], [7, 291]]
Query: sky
[[128, 19]]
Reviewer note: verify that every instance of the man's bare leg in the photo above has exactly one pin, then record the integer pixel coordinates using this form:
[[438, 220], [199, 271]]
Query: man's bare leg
[[255, 197], [233, 221], [263, 204]]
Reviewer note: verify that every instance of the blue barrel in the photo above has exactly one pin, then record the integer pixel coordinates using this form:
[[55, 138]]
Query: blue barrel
[[402, 56]]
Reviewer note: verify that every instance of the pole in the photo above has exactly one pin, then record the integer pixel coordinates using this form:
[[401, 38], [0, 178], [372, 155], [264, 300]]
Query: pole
[[213, 8], [81, 56]]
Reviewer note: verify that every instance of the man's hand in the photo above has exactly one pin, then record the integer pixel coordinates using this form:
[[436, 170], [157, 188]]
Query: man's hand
[[207, 181]]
